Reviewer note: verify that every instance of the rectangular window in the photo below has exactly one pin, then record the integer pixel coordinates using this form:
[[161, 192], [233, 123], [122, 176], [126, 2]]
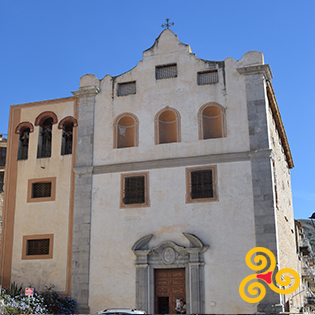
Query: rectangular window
[[166, 71], [201, 184], [208, 77], [134, 190], [38, 246], [2, 156], [41, 189], [126, 88]]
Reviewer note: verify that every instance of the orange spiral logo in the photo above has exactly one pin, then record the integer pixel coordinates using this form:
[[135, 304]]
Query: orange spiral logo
[[257, 290]]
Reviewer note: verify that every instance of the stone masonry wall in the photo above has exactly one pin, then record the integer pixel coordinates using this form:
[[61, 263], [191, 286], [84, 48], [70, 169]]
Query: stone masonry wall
[[283, 195]]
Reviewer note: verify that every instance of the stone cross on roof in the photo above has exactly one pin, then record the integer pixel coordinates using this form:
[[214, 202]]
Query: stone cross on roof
[[167, 24]]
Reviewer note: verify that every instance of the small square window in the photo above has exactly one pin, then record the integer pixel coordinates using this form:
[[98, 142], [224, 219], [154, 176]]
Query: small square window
[[166, 71], [126, 88], [41, 189], [201, 184], [37, 246], [134, 190], [208, 77]]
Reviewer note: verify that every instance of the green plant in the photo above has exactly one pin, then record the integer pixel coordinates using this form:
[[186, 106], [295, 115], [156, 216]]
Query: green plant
[[15, 289]]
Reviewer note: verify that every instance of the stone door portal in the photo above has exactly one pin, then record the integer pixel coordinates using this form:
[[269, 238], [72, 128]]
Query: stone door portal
[[169, 286]]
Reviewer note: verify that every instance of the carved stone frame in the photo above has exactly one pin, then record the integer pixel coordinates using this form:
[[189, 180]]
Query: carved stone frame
[[179, 257]]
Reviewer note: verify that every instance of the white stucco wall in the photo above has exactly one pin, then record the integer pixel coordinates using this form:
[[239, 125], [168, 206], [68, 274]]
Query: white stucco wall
[[227, 225], [181, 93]]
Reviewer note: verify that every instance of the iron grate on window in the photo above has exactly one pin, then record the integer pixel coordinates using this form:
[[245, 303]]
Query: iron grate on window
[[40, 190], [201, 184], [208, 77], [166, 71], [38, 247], [126, 88], [134, 192]]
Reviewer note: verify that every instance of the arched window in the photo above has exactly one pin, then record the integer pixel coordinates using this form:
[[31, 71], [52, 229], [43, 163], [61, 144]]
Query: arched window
[[45, 121], [126, 131], [167, 126], [211, 118], [44, 139], [23, 130], [67, 124]]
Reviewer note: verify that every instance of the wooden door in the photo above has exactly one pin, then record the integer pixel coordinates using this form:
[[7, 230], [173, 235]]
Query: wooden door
[[169, 286]]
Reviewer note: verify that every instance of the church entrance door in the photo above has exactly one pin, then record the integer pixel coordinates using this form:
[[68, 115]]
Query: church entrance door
[[169, 287]]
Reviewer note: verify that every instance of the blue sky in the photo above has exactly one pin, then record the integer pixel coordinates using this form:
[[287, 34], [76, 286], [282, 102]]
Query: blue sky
[[46, 46]]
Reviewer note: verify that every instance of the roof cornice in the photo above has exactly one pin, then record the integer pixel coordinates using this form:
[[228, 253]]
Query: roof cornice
[[279, 123]]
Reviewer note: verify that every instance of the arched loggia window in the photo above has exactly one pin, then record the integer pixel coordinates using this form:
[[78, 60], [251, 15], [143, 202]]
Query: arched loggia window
[[67, 124], [45, 122], [167, 126], [23, 130], [211, 118]]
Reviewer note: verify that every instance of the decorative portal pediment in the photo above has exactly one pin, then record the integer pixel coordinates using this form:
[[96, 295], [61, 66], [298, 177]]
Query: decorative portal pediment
[[170, 255], [169, 252]]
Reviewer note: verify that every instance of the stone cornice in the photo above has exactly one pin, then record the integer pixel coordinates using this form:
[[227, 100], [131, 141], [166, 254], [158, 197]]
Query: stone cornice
[[86, 91], [83, 170], [255, 69], [173, 162], [279, 124]]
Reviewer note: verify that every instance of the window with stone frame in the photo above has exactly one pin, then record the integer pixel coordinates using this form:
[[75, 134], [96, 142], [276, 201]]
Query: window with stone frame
[[41, 189], [134, 190], [37, 246], [201, 184]]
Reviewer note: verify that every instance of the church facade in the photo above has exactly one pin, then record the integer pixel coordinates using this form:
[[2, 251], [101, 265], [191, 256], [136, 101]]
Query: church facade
[[179, 167]]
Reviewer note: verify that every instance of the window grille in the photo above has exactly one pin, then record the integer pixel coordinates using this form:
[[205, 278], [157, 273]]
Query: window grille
[[166, 71], [208, 77], [38, 247], [41, 190], [2, 156], [201, 184], [1, 181], [126, 88], [134, 191]]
